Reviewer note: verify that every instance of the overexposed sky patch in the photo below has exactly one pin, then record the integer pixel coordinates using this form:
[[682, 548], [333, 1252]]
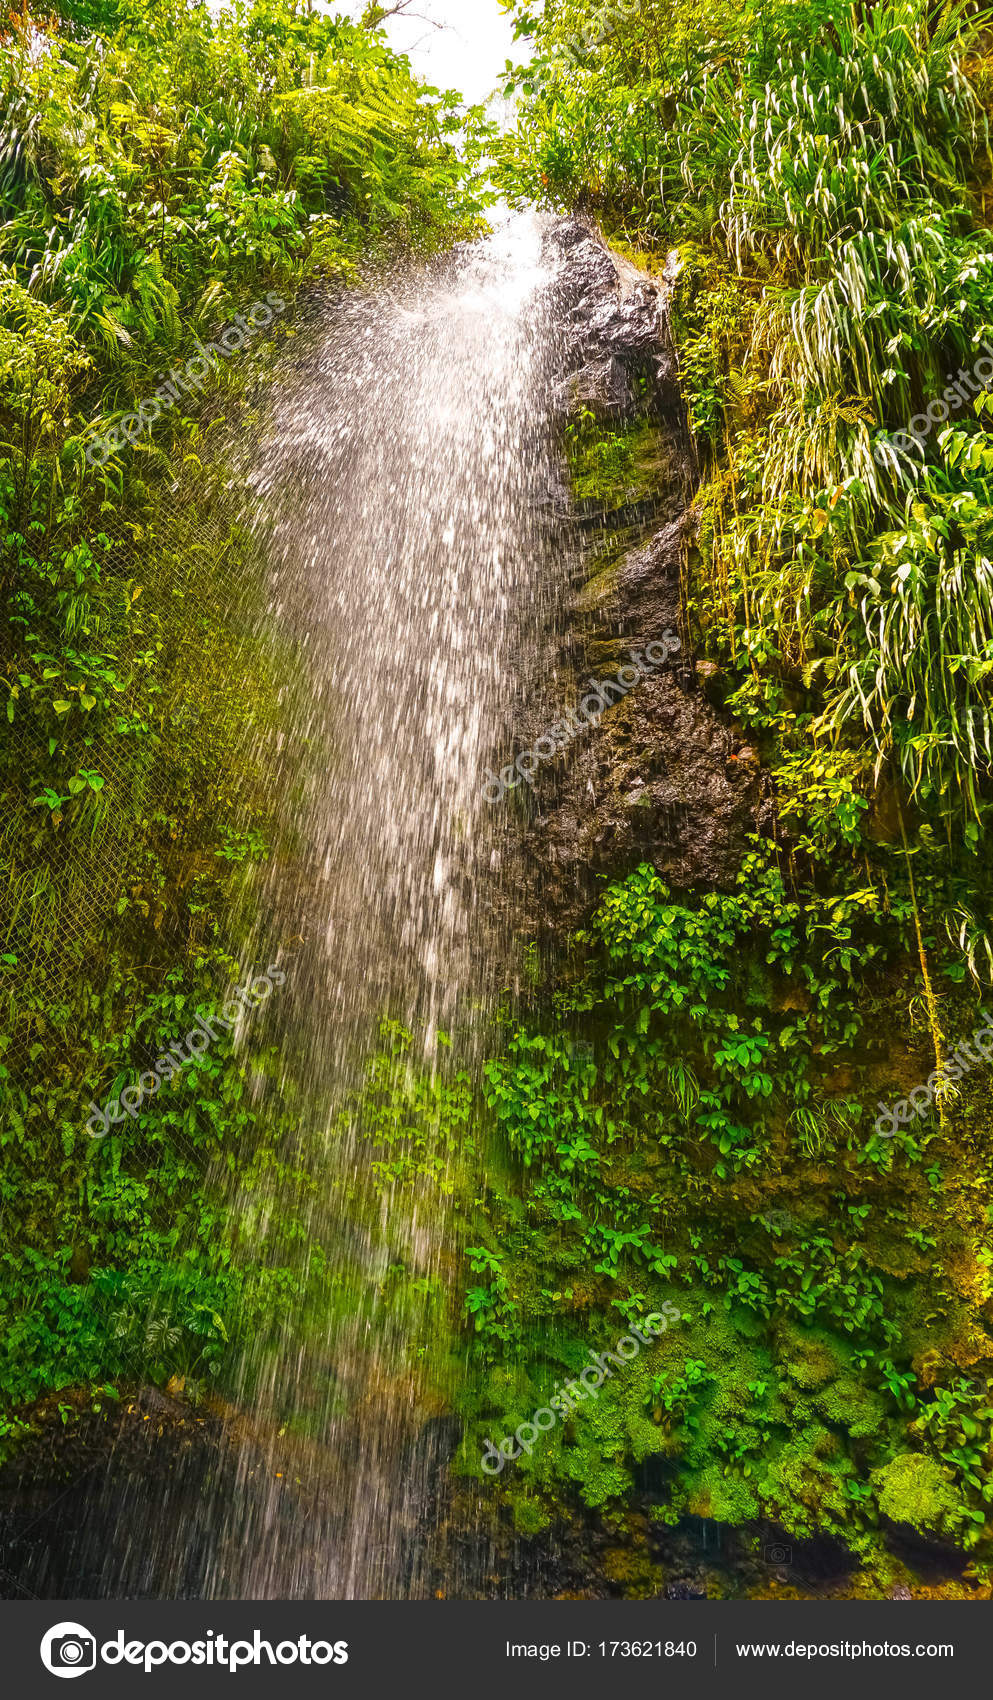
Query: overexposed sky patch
[[466, 53]]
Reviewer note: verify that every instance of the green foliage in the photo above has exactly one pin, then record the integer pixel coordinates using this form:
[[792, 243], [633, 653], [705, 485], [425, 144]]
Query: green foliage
[[489, 1304], [668, 1107], [414, 1118], [195, 153], [610, 466], [817, 175], [161, 165], [815, 168], [119, 1255]]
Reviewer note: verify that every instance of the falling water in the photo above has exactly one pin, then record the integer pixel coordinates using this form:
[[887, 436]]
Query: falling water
[[407, 499], [406, 495]]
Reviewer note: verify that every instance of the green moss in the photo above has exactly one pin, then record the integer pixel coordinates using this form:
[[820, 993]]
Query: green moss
[[599, 589], [853, 1406], [812, 1359], [530, 1513], [713, 1493], [630, 1568], [611, 466], [914, 1489]]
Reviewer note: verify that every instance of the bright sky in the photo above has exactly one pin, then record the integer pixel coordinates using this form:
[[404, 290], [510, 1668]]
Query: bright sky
[[466, 53]]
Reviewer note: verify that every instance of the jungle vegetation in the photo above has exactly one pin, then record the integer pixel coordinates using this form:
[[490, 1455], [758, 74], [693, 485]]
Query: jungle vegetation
[[686, 1109], [161, 169], [690, 1106]]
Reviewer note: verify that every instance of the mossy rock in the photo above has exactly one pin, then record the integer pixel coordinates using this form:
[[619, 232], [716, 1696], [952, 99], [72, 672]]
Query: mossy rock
[[914, 1489], [853, 1406], [531, 1516], [810, 1358], [722, 1498], [632, 1570], [598, 590]]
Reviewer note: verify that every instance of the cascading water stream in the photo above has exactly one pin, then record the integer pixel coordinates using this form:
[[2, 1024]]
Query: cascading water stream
[[429, 607], [408, 502], [405, 493]]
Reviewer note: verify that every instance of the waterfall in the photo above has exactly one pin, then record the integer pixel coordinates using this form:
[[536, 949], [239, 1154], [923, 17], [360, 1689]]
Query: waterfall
[[419, 580], [405, 498]]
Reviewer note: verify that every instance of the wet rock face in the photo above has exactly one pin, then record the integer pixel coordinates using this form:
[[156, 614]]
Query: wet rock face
[[664, 783], [85, 1508], [615, 332], [663, 777]]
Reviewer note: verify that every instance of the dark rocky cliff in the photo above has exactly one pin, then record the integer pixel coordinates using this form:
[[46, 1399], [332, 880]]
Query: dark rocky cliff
[[662, 777]]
